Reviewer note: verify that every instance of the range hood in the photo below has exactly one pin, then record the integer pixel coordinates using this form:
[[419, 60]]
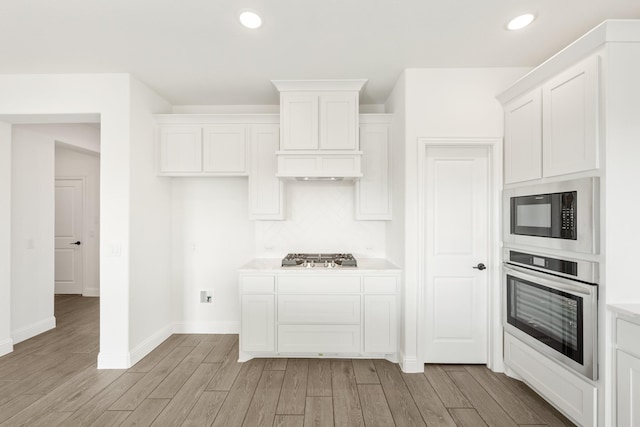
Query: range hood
[[319, 165], [319, 129]]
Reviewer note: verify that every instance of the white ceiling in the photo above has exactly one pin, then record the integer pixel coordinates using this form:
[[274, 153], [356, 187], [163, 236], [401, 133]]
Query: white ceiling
[[194, 52]]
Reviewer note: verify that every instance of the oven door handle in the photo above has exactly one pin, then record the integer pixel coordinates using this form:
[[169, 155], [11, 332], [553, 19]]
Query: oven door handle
[[553, 282]]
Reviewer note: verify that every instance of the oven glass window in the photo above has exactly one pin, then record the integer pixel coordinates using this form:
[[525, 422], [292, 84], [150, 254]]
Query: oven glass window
[[552, 317], [534, 215]]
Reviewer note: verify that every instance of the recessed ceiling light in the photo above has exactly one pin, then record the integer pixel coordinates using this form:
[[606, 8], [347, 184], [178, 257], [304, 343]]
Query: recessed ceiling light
[[250, 19], [520, 22]]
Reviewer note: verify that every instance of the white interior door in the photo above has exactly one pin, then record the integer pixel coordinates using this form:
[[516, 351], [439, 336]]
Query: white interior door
[[456, 241], [69, 277]]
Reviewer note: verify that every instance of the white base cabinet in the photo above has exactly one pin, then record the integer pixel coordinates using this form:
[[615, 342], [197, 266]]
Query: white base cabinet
[[573, 396], [627, 360], [317, 315]]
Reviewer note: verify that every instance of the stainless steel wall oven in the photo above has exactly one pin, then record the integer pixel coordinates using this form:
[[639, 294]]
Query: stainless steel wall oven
[[551, 304]]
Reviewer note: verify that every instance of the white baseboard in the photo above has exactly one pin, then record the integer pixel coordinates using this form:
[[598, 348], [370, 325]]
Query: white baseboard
[[147, 346], [207, 328], [91, 292], [6, 346], [32, 330], [114, 360], [410, 365]]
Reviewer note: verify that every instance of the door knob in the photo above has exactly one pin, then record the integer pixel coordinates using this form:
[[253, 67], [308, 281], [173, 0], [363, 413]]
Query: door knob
[[78, 243], [480, 266]]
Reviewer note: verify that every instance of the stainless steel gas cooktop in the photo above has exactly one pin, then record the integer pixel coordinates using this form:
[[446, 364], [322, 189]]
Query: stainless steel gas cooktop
[[319, 260]]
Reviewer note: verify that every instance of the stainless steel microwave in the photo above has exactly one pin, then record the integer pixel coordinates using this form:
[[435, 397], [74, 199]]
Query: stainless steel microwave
[[560, 215]]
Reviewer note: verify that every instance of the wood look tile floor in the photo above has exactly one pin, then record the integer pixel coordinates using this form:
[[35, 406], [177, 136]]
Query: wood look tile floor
[[195, 380]]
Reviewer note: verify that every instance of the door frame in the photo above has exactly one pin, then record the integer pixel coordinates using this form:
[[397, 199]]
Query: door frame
[[495, 359], [84, 228]]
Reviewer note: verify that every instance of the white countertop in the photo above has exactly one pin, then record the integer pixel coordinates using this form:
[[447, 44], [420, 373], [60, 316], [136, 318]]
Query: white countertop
[[274, 265], [632, 310]]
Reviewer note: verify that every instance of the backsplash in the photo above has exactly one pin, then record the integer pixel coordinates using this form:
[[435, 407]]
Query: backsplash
[[320, 218]]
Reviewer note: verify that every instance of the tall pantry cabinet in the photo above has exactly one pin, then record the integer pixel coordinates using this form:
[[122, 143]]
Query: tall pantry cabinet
[[576, 115]]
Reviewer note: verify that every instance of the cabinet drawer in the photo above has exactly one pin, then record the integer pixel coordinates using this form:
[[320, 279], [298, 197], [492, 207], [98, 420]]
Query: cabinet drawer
[[380, 285], [319, 309], [627, 336], [324, 284], [319, 339], [564, 390], [258, 284]]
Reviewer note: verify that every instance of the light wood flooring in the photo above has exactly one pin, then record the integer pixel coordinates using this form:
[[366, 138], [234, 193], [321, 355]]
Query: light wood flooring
[[195, 380]]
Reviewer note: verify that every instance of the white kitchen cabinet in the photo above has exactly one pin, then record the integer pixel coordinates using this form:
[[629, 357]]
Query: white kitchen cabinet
[[338, 121], [299, 121], [319, 120], [266, 191], [257, 323], [373, 197], [380, 324], [224, 149], [258, 314], [572, 395], [523, 138], [628, 389], [570, 120], [319, 313], [319, 128], [380, 314], [180, 149], [203, 150], [627, 371]]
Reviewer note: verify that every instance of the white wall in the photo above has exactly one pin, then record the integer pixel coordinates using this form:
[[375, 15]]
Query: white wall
[[32, 234], [6, 343], [72, 163], [112, 97], [212, 238], [84, 137], [150, 303], [441, 103], [320, 218]]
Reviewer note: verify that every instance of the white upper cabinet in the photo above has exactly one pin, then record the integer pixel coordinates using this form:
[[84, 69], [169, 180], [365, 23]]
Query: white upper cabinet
[[180, 149], [207, 144], [319, 128], [373, 198], [266, 191], [523, 138], [553, 129], [338, 121], [319, 121], [299, 121], [224, 149], [570, 118]]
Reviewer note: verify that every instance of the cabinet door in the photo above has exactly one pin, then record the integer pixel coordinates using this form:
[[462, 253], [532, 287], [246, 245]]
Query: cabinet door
[[266, 191], [339, 121], [570, 115], [299, 120], [628, 390], [258, 323], [380, 324], [373, 201], [180, 149], [224, 150], [523, 138]]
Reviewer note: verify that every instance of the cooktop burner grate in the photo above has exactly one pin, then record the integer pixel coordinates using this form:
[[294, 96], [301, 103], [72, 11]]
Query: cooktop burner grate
[[320, 260]]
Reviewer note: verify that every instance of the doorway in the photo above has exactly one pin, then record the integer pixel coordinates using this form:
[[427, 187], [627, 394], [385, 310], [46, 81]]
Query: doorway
[[459, 314]]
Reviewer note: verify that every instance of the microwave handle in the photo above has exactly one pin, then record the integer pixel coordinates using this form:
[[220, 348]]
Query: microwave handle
[[555, 283]]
